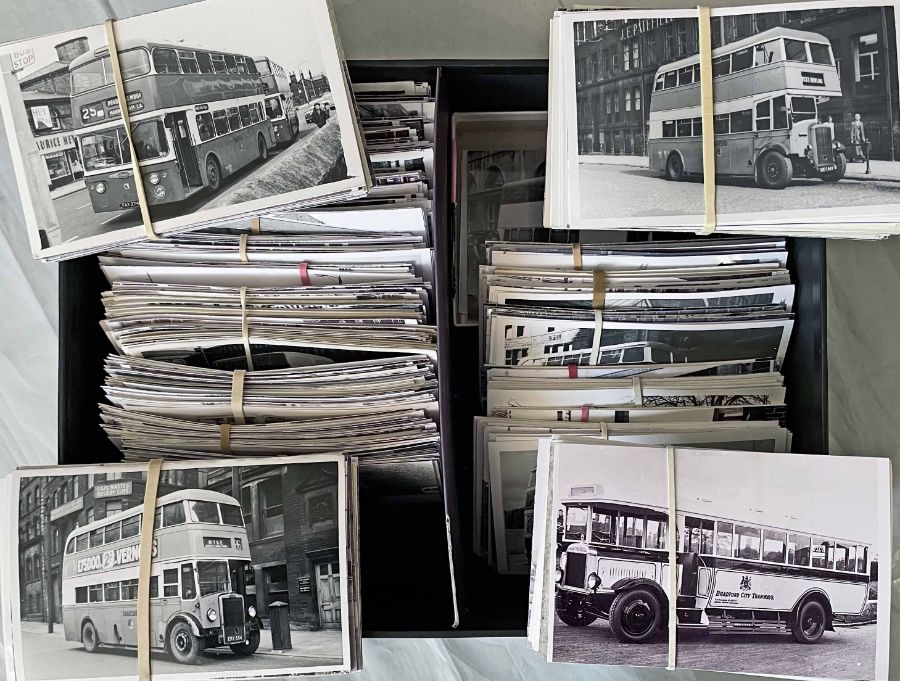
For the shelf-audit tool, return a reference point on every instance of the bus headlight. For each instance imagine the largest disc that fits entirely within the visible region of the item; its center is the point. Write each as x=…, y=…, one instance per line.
x=562, y=560
x=153, y=178
x=593, y=581
x=100, y=187
x=559, y=575
x=212, y=615
x=251, y=611
x=159, y=191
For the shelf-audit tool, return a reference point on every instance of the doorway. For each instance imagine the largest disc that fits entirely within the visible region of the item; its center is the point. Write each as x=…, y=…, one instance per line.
x=328, y=593
x=184, y=150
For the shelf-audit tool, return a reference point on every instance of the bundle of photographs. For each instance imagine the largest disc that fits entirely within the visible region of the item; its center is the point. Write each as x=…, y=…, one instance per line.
x=227, y=120
x=253, y=569
x=764, y=555
x=670, y=342
x=804, y=126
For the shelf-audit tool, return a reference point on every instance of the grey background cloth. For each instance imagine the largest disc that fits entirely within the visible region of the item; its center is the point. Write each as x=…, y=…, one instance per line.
x=863, y=314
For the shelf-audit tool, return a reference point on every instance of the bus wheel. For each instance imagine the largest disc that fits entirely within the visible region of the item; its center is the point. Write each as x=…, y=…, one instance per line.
x=674, y=168
x=213, y=174
x=774, y=170
x=249, y=646
x=635, y=616
x=809, y=623
x=263, y=148
x=574, y=617
x=89, y=637
x=184, y=646
x=838, y=172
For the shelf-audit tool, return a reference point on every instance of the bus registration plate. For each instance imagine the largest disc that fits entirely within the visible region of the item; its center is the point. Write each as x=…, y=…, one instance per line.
x=235, y=638
x=128, y=204
x=827, y=169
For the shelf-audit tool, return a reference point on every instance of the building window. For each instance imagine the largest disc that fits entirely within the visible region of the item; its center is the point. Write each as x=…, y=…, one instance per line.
x=276, y=582
x=321, y=508
x=57, y=540
x=670, y=49
x=270, y=503
x=637, y=99
x=626, y=55
x=651, y=48
x=868, y=60
x=683, y=46
x=627, y=100
x=596, y=66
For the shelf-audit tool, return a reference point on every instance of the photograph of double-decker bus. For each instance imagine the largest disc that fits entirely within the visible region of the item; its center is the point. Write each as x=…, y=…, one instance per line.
x=805, y=101
x=214, y=108
x=765, y=559
x=245, y=570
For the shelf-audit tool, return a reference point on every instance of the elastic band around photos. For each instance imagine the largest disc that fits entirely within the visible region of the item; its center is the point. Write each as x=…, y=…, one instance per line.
x=237, y=395
x=638, y=390
x=598, y=332
x=225, y=437
x=255, y=225
x=245, y=329
x=145, y=558
x=706, y=113
x=303, y=269
x=242, y=248
x=598, y=299
x=126, y=122
x=573, y=370
x=585, y=413
x=577, y=262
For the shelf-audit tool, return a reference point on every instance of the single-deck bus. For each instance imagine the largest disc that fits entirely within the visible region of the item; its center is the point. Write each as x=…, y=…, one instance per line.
x=280, y=108
x=766, y=90
x=734, y=575
x=200, y=555
x=197, y=117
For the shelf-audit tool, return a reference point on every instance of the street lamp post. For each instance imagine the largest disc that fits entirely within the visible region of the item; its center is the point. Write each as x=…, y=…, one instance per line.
x=45, y=556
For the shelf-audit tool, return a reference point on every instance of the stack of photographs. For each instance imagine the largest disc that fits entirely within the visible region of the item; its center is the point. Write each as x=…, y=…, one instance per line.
x=498, y=191
x=804, y=123
x=254, y=569
x=228, y=119
x=672, y=342
x=766, y=560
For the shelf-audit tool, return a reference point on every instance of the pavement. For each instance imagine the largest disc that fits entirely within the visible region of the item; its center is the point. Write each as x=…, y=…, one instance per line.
x=846, y=653
x=45, y=654
x=67, y=189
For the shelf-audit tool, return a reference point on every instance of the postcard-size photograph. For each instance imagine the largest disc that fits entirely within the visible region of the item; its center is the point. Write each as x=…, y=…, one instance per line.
x=248, y=576
x=805, y=115
x=231, y=113
x=784, y=560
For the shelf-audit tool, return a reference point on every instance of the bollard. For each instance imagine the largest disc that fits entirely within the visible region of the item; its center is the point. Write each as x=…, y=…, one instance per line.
x=280, y=625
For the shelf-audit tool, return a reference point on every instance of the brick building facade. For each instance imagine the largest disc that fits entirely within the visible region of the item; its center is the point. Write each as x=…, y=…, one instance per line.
x=615, y=64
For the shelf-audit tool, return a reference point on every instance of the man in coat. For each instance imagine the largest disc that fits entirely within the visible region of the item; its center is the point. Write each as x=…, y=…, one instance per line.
x=858, y=137
x=319, y=117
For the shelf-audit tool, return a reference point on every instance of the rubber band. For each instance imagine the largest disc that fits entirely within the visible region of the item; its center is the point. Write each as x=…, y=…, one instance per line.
x=304, y=274
x=237, y=395
x=245, y=329
x=672, y=538
x=573, y=370
x=585, y=413
x=242, y=248
x=598, y=299
x=638, y=390
x=255, y=225
x=122, y=100
x=576, y=256
x=145, y=558
x=707, y=126
x=225, y=437
x=598, y=332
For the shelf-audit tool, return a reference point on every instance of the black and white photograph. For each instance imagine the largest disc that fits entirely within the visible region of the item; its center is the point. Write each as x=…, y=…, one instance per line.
x=806, y=117
x=231, y=111
x=248, y=574
x=774, y=577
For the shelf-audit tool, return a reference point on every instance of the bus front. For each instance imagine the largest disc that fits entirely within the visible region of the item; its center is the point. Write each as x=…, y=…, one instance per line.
x=157, y=136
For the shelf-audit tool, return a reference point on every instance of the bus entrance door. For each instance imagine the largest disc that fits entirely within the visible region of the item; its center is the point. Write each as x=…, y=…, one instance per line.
x=187, y=157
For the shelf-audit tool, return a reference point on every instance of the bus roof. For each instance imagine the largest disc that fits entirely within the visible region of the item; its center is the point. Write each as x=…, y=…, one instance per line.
x=191, y=494
x=772, y=33
x=129, y=44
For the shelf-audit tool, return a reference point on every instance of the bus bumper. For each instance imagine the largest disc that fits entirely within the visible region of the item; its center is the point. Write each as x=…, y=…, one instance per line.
x=117, y=191
x=597, y=604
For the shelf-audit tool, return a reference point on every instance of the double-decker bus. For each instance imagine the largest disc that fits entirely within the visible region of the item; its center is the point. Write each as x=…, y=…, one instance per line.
x=199, y=557
x=766, y=90
x=734, y=575
x=197, y=117
x=280, y=108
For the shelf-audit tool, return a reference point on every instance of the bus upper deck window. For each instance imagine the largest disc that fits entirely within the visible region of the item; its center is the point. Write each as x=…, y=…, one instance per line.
x=165, y=60
x=230, y=63
x=70, y=546
x=686, y=75
x=795, y=50
x=188, y=62
x=231, y=515
x=134, y=62
x=721, y=66
x=634, y=355
x=671, y=80
x=765, y=53
x=251, y=66
x=660, y=82
x=218, y=62
x=741, y=60
x=803, y=108
x=112, y=533
x=173, y=514
x=81, y=542
x=821, y=54
x=97, y=537
x=204, y=62
x=204, y=512
x=131, y=527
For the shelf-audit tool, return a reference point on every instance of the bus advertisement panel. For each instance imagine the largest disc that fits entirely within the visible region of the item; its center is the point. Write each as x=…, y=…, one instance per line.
x=226, y=536
x=762, y=548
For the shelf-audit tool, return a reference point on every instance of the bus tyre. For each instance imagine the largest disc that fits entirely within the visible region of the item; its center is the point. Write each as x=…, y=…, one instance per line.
x=674, y=168
x=809, y=623
x=183, y=645
x=213, y=174
x=249, y=646
x=574, y=617
x=635, y=616
x=838, y=172
x=263, y=148
x=774, y=170
x=89, y=637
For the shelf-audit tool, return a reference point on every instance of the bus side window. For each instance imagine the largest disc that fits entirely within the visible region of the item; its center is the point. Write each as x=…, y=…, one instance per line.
x=188, y=61
x=81, y=595
x=129, y=589
x=111, y=592
x=154, y=587
x=862, y=559
x=170, y=582
x=741, y=60
x=721, y=66
x=746, y=542
x=70, y=546
x=656, y=533
x=602, y=528
x=795, y=50
x=131, y=527
x=165, y=60
x=234, y=118
x=205, y=126
x=764, y=115
x=798, y=549
x=188, y=586
x=204, y=62
x=81, y=542
x=220, y=121
x=254, y=114
x=218, y=63
x=244, y=110
x=95, y=593
x=671, y=79
x=773, y=546
x=173, y=514
x=779, y=113
x=820, y=553
x=112, y=533
x=97, y=537
x=840, y=557
x=720, y=124
x=230, y=64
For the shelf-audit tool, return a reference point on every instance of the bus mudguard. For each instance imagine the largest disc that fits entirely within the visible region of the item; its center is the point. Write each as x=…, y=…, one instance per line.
x=190, y=619
x=777, y=146
x=823, y=598
x=632, y=582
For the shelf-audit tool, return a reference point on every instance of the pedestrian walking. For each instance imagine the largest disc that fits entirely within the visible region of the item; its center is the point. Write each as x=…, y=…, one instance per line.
x=829, y=123
x=858, y=139
x=319, y=117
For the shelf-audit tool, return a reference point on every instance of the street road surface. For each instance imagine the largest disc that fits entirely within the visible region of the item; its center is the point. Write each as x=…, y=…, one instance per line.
x=620, y=191
x=846, y=653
